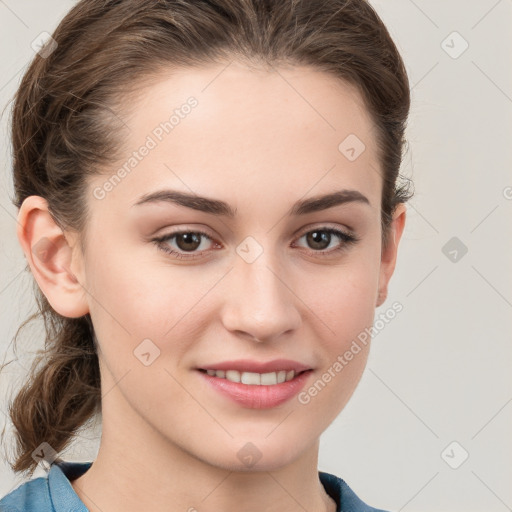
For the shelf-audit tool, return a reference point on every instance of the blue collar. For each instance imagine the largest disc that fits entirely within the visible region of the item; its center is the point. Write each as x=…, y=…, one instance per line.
x=65, y=499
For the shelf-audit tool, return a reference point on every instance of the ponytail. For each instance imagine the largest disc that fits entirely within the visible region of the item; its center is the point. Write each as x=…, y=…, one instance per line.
x=63, y=389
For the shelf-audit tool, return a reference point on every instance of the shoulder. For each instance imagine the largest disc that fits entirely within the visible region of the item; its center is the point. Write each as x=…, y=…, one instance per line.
x=30, y=496
x=345, y=497
x=49, y=493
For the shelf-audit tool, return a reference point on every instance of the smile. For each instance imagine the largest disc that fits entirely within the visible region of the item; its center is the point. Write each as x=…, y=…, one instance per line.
x=252, y=378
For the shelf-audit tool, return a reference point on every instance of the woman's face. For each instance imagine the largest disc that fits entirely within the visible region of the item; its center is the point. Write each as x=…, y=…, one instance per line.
x=265, y=283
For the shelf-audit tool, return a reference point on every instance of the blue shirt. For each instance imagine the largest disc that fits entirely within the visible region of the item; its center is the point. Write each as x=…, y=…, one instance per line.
x=54, y=493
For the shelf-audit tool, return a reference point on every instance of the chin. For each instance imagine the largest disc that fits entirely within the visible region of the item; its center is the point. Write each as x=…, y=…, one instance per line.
x=257, y=455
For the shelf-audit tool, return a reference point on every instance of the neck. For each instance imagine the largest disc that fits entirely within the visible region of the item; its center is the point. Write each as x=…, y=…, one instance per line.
x=171, y=479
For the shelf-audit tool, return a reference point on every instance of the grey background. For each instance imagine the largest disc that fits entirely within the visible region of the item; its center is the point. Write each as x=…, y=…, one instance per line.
x=440, y=371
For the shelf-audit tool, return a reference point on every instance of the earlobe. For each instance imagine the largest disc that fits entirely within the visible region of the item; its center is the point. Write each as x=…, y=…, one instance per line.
x=389, y=253
x=55, y=264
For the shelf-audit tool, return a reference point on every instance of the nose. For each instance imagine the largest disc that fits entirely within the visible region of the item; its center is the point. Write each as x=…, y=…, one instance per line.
x=260, y=302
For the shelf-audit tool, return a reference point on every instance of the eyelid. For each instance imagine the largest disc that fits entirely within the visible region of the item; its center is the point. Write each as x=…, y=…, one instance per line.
x=326, y=225
x=186, y=228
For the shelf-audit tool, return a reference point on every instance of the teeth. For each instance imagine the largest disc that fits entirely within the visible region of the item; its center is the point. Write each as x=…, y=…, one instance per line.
x=254, y=379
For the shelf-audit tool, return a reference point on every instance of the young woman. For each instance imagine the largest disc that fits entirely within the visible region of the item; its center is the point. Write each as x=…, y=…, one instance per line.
x=209, y=202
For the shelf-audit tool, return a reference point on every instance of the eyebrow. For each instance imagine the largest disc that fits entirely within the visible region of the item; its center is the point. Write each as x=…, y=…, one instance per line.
x=221, y=208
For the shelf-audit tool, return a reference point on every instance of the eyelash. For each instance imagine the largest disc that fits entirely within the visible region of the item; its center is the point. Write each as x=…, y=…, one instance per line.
x=348, y=240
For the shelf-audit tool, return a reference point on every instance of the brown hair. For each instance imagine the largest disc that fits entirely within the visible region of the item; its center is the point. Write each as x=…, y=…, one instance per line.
x=62, y=132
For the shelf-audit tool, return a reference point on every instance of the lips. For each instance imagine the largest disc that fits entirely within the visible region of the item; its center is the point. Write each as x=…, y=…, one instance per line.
x=247, y=365
x=254, y=396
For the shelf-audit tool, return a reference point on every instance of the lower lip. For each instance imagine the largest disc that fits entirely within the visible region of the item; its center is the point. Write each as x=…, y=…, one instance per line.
x=258, y=397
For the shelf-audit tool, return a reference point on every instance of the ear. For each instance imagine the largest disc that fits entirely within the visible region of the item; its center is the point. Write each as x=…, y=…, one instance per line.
x=389, y=253
x=51, y=258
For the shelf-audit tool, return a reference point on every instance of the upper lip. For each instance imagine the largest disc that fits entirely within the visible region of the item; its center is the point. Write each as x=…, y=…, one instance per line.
x=246, y=365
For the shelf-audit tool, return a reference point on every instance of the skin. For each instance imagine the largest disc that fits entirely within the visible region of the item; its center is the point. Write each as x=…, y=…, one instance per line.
x=169, y=442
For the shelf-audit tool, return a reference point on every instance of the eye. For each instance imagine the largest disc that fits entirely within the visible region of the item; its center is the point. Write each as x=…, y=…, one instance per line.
x=321, y=238
x=190, y=241
x=186, y=241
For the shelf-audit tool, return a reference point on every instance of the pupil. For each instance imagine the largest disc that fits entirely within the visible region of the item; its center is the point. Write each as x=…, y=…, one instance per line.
x=189, y=238
x=319, y=237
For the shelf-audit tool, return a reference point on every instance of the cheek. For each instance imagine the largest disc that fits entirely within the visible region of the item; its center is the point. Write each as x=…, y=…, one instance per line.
x=343, y=310
x=343, y=299
x=138, y=311
x=136, y=297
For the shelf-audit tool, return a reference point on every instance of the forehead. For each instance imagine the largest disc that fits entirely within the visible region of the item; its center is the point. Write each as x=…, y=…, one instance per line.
x=241, y=133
